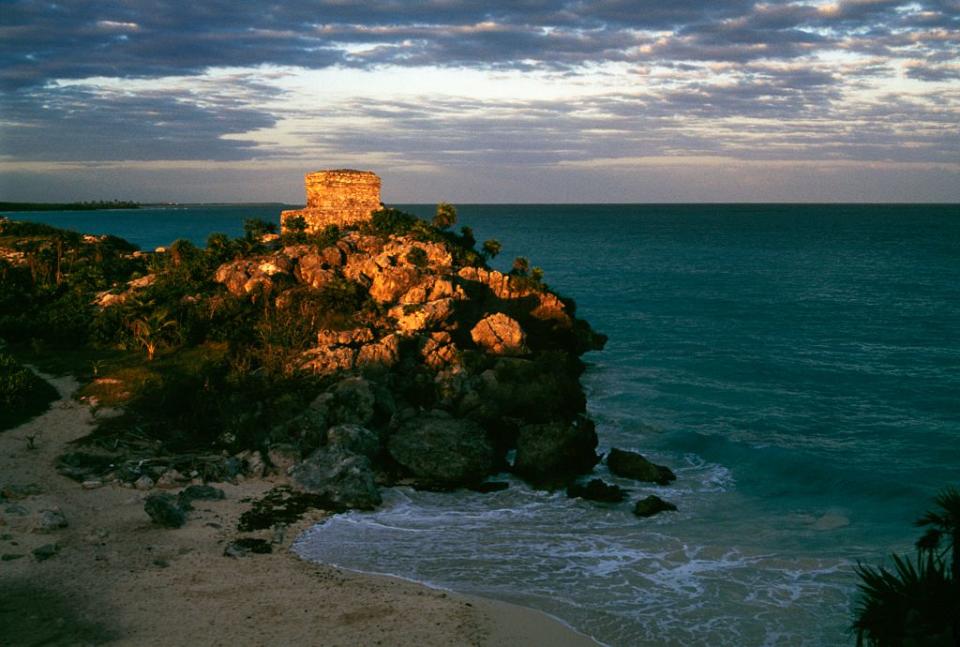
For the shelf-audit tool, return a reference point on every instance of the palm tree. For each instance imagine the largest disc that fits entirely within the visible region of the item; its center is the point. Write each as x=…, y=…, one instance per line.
x=943, y=527
x=916, y=603
x=151, y=330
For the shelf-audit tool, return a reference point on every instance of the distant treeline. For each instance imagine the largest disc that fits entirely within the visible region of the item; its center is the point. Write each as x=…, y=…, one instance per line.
x=68, y=206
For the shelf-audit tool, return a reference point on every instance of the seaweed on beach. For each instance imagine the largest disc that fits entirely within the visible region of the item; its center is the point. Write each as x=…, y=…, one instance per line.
x=282, y=505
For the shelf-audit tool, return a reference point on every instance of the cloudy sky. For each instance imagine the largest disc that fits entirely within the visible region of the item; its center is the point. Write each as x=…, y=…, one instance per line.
x=509, y=101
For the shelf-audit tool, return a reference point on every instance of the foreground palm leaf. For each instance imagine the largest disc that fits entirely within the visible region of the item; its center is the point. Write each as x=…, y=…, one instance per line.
x=917, y=602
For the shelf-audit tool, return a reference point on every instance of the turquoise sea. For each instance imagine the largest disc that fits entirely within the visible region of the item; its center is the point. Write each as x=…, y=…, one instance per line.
x=798, y=366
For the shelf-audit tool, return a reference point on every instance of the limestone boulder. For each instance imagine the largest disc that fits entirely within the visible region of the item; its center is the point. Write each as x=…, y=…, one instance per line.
x=346, y=479
x=384, y=352
x=314, y=270
x=352, y=337
x=440, y=449
x=417, y=318
x=325, y=360
x=499, y=334
x=244, y=276
x=388, y=284
x=555, y=453
x=439, y=351
x=633, y=465
x=432, y=289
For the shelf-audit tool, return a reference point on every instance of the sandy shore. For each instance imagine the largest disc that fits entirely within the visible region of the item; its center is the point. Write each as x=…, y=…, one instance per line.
x=118, y=579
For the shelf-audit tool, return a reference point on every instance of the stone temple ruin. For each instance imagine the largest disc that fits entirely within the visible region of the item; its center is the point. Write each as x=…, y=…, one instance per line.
x=337, y=197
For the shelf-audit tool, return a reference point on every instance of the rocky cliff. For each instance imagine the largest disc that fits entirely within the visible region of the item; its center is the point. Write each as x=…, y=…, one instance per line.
x=384, y=351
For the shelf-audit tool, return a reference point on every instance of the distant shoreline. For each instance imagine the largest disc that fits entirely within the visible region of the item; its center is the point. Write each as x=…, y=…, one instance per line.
x=97, y=205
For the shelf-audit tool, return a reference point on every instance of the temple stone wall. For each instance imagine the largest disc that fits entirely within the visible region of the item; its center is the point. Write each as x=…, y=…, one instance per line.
x=340, y=197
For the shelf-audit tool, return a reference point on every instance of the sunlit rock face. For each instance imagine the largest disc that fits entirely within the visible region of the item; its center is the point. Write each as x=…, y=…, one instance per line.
x=339, y=197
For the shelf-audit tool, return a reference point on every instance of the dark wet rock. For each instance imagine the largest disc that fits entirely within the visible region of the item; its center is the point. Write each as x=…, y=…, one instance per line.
x=246, y=545
x=164, y=510
x=45, y=552
x=355, y=439
x=553, y=453
x=49, y=521
x=342, y=477
x=193, y=493
x=436, y=447
x=597, y=490
x=633, y=465
x=652, y=505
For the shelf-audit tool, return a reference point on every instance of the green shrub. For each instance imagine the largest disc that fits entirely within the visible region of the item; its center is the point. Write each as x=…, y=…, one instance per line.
x=329, y=235
x=417, y=257
x=294, y=230
x=389, y=221
x=255, y=228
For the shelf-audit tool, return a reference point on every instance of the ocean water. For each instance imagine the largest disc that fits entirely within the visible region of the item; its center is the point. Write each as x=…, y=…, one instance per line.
x=798, y=366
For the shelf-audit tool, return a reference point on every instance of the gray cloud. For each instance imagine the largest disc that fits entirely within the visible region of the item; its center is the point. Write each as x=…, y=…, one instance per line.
x=749, y=80
x=74, y=124
x=136, y=38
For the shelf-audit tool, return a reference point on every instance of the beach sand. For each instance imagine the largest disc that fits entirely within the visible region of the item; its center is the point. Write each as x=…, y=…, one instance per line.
x=116, y=578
